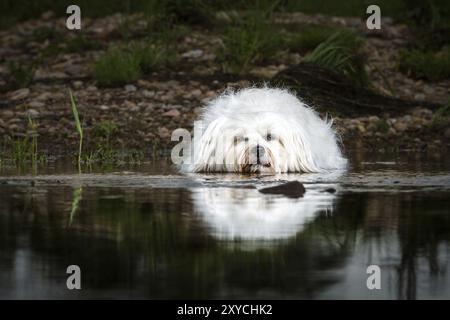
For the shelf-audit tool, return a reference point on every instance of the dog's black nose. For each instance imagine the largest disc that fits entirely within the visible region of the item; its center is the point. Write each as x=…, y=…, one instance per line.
x=259, y=152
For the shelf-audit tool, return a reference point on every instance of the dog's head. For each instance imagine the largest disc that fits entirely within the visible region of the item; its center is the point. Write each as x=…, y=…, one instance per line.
x=264, y=131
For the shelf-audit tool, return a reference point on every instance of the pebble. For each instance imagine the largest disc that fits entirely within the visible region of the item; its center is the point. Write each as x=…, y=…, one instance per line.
x=400, y=126
x=78, y=84
x=8, y=114
x=374, y=119
x=32, y=113
x=36, y=104
x=291, y=189
x=407, y=118
x=131, y=105
x=148, y=94
x=43, y=96
x=447, y=133
x=164, y=133
x=13, y=127
x=197, y=93
x=172, y=113
x=130, y=88
x=419, y=97
x=193, y=54
x=19, y=94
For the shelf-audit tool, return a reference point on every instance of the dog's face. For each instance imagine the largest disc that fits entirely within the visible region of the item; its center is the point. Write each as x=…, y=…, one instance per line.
x=255, y=143
x=259, y=145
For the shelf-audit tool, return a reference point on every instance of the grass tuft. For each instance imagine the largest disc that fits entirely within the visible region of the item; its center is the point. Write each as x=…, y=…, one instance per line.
x=308, y=38
x=116, y=67
x=119, y=66
x=103, y=134
x=425, y=65
x=153, y=56
x=248, y=41
x=441, y=118
x=20, y=74
x=24, y=149
x=341, y=53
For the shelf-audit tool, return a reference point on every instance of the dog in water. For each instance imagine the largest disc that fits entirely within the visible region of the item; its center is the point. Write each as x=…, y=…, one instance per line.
x=263, y=130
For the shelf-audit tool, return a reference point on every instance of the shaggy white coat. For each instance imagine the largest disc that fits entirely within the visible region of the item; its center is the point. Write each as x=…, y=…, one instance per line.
x=263, y=130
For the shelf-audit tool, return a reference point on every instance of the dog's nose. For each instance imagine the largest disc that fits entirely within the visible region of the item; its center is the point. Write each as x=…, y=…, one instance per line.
x=259, y=152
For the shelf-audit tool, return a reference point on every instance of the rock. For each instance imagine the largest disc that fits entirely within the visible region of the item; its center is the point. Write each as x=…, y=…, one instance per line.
x=143, y=83
x=210, y=94
x=167, y=97
x=164, y=133
x=419, y=97
x=197, y=93
x=13, y=127
x=400, y=126
x=131, y=105
x=43, y=96
x=391, y=121
x=422, y=113
x=172, y=113
x=447, y=133
x=45, y=74
x=130, y=88
x=361, y=128
x=8, y=114
x=75, y=70
x=374, y=119
x=148, y=94
x=32, y=113
x=407, y=118
x=193, y=54
x=429, y=91
x=291, y=189
x=104, y=107
x=330, y=190
x=36, y=104
x=78, y=84
x=19, y=94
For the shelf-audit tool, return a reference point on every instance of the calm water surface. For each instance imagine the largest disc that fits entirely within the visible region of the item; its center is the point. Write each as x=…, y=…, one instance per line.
x=149, y=232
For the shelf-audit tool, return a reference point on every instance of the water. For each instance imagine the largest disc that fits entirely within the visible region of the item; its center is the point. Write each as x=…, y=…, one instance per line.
x=152, y=233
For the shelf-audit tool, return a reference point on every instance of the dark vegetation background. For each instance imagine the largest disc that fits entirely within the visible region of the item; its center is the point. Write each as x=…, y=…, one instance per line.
x=139, y=69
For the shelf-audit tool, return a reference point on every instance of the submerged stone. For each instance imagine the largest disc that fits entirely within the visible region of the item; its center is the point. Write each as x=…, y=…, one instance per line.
x=292, y=189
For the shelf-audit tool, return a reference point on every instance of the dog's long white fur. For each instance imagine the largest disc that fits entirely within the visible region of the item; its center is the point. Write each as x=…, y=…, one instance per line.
x=236, y=121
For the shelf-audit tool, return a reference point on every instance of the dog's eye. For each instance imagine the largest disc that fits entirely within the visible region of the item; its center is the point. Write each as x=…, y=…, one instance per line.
x=268, y=137
x=239, y=139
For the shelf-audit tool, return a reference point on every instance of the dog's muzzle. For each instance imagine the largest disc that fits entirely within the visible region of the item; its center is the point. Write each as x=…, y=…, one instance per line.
x=260, y=156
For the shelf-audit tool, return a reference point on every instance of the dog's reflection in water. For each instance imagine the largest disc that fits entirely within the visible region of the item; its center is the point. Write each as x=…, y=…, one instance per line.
x=246, y=214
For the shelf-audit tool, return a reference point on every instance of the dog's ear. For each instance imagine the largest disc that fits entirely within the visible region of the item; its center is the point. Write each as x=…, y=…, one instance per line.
x=209, y=147
x=300, y=153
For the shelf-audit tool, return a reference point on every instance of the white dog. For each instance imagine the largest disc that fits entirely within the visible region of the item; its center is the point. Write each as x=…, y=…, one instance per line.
x=263, y=130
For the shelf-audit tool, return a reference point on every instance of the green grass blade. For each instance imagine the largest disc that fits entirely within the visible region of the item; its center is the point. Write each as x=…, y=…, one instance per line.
x=79, y=128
